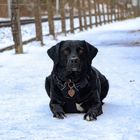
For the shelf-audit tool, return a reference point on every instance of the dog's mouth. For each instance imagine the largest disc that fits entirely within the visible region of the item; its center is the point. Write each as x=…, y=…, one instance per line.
x=73, y=65
x=74, y=68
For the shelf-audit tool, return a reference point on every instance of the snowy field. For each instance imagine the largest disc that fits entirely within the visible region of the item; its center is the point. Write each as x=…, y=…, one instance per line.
x=24, y=110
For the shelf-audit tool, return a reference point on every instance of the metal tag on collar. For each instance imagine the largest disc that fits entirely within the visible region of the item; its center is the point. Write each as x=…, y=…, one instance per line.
x=71, y=91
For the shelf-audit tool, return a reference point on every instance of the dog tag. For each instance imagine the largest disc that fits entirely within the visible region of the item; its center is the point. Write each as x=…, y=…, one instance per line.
x=71, y=92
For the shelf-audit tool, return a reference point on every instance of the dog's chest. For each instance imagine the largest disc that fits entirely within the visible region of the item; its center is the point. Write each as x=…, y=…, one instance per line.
x=74, y=103
x=79, y=107
x=73, y=107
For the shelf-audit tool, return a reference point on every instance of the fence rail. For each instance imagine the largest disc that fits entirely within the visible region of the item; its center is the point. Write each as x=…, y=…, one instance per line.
x=88, y=12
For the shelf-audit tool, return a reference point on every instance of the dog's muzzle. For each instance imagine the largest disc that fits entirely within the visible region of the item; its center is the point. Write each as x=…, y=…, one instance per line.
x=74, y=64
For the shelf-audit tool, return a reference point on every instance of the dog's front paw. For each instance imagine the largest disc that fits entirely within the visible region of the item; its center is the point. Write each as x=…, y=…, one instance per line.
x=57, y=111
x=59, y=115
x=90, y=116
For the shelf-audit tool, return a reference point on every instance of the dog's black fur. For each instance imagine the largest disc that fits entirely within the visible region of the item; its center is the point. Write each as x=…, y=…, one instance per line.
x=72, y=70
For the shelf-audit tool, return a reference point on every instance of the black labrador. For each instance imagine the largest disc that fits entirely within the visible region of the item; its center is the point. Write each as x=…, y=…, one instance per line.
x=74, y=85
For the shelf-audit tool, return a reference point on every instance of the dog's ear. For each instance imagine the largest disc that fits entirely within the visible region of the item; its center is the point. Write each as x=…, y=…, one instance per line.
x=53, y=52
x=92, y=51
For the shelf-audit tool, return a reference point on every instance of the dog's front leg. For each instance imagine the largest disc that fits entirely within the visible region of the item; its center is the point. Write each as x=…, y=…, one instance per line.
x=95, y=109
x=57, y=110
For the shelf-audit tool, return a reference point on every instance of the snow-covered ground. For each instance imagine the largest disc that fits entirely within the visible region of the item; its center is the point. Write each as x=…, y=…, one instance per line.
x=24, y=110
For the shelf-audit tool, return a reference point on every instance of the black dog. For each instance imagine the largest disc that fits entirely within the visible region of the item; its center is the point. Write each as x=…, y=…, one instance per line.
x=74, y=85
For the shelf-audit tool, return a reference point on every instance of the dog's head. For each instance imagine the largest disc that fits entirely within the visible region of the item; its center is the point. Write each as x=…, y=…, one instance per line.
x=73, y=55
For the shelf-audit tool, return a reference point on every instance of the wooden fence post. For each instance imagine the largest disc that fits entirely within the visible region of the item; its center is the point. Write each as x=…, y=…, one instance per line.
x=134, y=10
x=138, y=7
x=126, y=10
x=103, y=12
x=108, y=12
x=114, y=8
x=50, y=18
x=99, y=13
x=123, y=12
x=71, y=5
x=95, y=13
x=16, y=28
x=118, y=12
x=111, y=10
x=62, y=12
x=38, y=22
x=80, y=14
x=84, y=14
x=90, y=15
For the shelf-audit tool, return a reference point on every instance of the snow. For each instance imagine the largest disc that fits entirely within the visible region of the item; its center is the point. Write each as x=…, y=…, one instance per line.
x=24, y=104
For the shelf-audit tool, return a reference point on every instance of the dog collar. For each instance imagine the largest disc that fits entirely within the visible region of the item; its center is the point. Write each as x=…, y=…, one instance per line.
x=62, y=85
x=72, y=86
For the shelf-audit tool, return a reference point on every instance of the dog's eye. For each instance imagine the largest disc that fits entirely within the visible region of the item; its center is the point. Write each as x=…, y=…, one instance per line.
x=81, y=50
x=66, y=51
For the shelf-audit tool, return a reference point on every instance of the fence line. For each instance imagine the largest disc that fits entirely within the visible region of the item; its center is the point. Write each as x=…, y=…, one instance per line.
x=89, y=13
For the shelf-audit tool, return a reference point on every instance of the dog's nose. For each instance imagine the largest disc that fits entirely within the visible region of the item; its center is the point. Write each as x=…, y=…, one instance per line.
x=74, y=60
